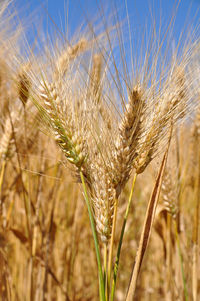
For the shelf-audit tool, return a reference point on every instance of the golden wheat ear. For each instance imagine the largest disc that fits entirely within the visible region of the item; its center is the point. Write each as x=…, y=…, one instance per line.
x=5, y=139
x=168, y=193
x=64, y=133
x=67, y=57
x=24, y=83
x=130, y=130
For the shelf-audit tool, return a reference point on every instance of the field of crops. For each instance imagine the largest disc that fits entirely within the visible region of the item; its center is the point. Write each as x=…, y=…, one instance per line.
x=99, y=164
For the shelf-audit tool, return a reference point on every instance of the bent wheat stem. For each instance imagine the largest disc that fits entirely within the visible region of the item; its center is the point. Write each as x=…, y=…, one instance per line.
x=146, y=228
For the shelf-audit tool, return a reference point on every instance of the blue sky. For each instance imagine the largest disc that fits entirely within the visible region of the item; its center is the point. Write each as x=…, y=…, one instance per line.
x=140, y=12
x=53, y=17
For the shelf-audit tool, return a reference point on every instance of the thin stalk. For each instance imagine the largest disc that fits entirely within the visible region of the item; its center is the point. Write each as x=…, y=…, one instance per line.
x=96, y=243
x=146, y=231
x=195, y=252
x=181, y=262
x=2, y=173
x=105, y=265
x=9, y=211
x=111, y=248
x=195, y=249
x=179, y=180
x=194, y=271
x=168, y=258
x=121, y=239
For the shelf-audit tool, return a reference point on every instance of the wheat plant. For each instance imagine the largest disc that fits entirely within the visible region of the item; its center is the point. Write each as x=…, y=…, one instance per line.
x=108, y=125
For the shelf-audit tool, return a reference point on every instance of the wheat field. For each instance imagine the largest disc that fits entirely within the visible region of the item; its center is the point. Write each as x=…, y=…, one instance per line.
x=99, y=164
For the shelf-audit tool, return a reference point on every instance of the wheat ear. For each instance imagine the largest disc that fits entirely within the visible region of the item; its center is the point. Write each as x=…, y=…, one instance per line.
x=130, y=130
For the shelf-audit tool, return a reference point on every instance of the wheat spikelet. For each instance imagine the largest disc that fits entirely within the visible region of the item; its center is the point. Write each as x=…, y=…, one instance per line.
x=65, y=133
x=68, y=56
x=170, y=108
x=4, y=92
x=23, y=84
x=6, y=138
x=103, y=198
x=172, y=102
x=126, y=145
x=169, y=196
x=149, y=142
x=95, y=78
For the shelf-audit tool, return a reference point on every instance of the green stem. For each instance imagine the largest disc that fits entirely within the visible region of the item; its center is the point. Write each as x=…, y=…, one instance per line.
x=121, y=239
x=101, y=279
x=105, y=265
